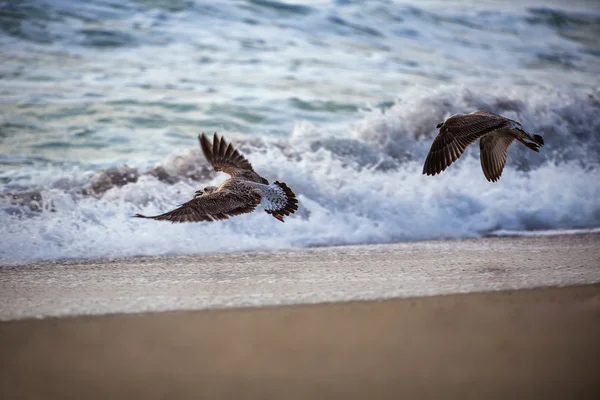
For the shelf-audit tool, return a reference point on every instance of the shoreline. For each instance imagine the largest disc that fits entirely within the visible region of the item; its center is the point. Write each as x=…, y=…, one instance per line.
x=500, y=234
x=478, y=318
x=533, y=343
x=306, y=276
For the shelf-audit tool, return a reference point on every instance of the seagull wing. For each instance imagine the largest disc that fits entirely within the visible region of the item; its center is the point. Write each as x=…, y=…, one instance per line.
x=456, y=134
x=221, y=204
x=224, y=157
x=493, y=150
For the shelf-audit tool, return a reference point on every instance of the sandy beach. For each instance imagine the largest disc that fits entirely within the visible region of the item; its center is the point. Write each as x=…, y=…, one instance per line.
x=435, y=163
x=329, y=274
x=394, y=321
x=530, y=344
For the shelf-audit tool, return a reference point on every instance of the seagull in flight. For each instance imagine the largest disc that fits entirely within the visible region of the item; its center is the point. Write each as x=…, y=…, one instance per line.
x=496, y=133
x=240, y=194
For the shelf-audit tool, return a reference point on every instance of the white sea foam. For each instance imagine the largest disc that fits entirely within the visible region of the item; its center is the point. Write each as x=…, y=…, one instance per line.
x=111, y=82
x=545, y=232
x=346, y=194
x=338, y=205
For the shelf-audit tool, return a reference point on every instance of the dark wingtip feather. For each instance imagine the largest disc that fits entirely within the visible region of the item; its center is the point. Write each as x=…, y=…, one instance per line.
x=538, y=139
x=223, y=155
x=492, y=178
x=219, y=145
x=205, y=146
x=425, y=170
x=433, y=165
x=533, y=146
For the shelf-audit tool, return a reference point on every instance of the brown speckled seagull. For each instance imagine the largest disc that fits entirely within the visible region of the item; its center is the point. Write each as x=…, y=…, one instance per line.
x=240, y=194
x=496, y=133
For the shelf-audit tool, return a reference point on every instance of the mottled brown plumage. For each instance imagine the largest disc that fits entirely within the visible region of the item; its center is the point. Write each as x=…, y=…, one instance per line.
x=496, y=133
x=226, y=158
x=240, y=194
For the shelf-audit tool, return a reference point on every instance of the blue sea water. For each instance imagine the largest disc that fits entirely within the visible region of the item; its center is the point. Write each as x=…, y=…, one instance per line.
x=101, y=103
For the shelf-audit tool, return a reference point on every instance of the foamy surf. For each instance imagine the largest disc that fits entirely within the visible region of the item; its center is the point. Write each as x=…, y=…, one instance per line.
x=102, y=104
x=546, y=232
x=365, y=188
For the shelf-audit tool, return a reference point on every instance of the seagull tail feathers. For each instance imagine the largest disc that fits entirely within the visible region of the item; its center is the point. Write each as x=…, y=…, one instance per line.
x=282, y=201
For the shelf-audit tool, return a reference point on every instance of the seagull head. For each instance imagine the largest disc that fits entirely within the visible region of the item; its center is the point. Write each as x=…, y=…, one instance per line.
x=206, y=190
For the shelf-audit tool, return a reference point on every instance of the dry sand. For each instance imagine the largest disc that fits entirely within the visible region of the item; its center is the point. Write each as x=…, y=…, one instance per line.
x=529, y=344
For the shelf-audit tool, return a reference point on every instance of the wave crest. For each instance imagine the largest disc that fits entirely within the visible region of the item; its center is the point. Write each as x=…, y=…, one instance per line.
x=366, y=187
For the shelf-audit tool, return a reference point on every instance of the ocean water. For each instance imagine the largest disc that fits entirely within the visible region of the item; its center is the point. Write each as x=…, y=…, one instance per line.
x=101, y=103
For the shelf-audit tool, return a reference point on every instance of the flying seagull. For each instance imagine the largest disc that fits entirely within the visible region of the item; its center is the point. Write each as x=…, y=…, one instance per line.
x=495, y=132
x=240, y=194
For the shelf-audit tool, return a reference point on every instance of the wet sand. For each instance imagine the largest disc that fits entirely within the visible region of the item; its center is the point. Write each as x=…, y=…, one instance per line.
x=528, y=344
x=294, y=277
x=489, y=343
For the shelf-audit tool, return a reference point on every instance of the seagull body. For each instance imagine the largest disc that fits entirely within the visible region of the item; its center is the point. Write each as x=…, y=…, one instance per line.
x=496, y=133
x=240, y=194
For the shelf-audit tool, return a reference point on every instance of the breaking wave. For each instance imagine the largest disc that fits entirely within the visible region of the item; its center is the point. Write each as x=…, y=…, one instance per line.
x=363, y=187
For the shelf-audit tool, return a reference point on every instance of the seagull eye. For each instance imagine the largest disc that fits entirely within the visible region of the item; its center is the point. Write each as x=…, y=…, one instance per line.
x=439, y=125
